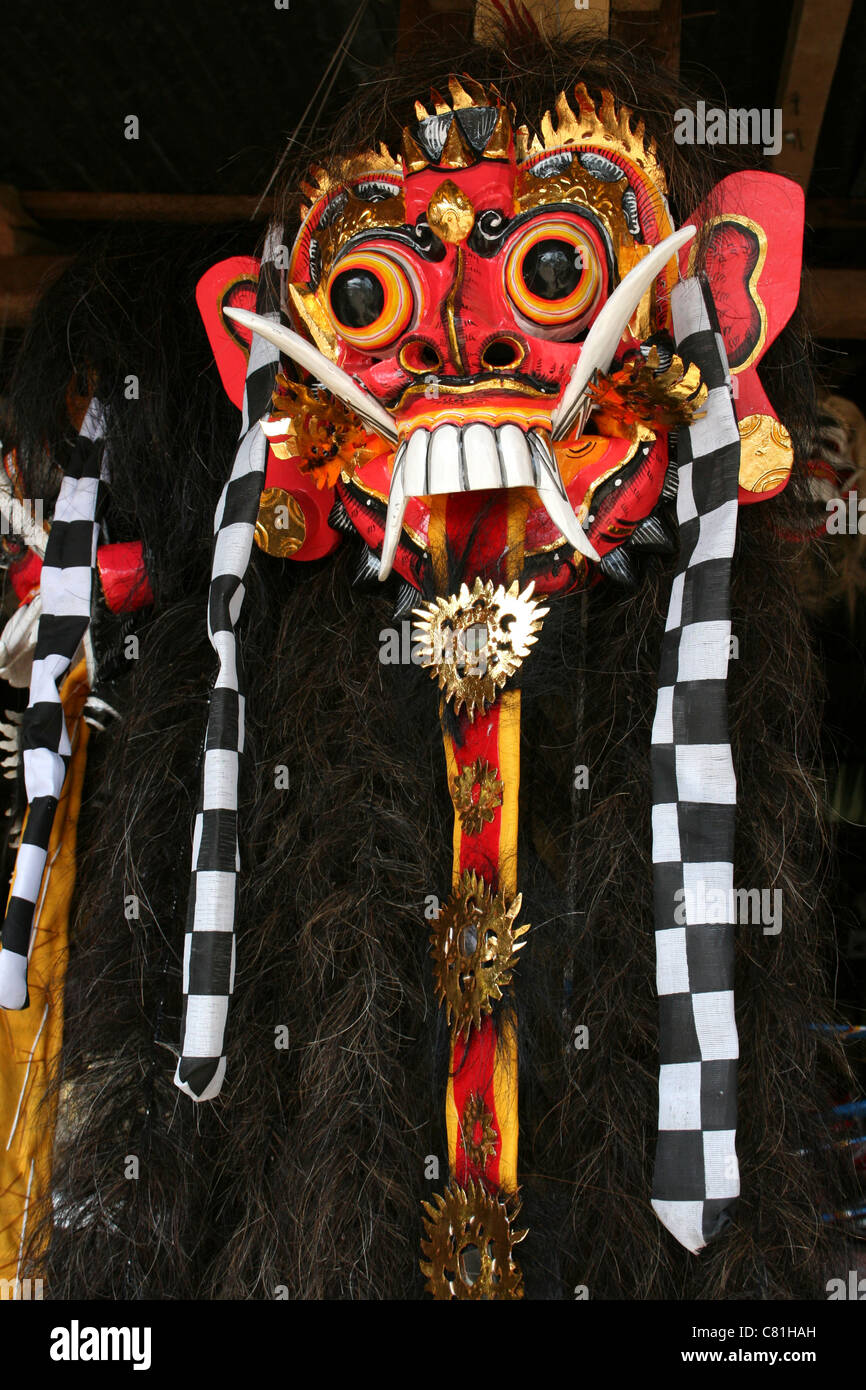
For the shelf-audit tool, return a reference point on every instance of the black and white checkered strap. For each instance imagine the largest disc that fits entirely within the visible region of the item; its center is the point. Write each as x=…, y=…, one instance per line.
x=66, y=589
x=696, y=1177
x=209, y=946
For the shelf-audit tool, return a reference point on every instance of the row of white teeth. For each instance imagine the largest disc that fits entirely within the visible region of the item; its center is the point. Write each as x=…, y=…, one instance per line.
x=477, y=458
x=470, y=458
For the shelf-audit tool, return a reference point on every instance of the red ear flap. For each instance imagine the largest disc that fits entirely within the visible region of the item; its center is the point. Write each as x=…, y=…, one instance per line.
x=753, y=260
x=229, y=284
x=754, y=227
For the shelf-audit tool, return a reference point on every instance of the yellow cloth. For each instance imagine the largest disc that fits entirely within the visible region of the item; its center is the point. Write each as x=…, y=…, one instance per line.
x=30, y=1040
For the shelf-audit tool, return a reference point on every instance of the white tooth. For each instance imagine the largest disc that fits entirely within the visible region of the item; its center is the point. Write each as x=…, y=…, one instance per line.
x=394, y=519
x=415, y=466
x=604, y=336
x=545, y=468
x=559, y=510
x=444, y=460
x=538, y=455
x=482, y=458
x=552, y=493
x=514, y=456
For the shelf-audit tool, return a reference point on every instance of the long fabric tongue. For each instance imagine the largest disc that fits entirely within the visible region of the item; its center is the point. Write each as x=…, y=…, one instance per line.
x=483, y=1066
x=477, y=534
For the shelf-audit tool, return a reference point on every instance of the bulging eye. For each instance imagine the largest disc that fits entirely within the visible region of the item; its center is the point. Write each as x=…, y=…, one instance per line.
x=371, y=299
x=550, y=270
x=554, y=274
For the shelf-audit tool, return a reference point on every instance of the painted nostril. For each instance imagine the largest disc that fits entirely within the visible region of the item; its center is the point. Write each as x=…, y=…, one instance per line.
x=503, y=352
x=419, y=357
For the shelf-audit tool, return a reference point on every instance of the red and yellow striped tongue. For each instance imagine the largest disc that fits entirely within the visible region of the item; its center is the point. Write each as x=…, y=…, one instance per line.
x=482, y=756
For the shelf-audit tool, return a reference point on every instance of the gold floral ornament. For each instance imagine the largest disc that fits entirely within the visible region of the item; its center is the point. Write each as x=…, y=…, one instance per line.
x=324, y=434
x=644, y=393
x=477, y=639
x=475, y=945
x=478, y=1131
x=477, y=795
x=469, y=1243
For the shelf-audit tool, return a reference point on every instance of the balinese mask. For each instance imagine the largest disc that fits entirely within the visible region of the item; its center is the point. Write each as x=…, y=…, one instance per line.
x=506, y=336
x=514, y=372
x=479, y=288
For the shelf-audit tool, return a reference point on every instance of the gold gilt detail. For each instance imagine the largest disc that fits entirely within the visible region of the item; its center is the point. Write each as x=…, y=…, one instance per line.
x=280, y=526
x=354, y=217
x=605, y=127
x=469, y=1244
x=328, y=181
x=475, y=945
x=457, y=153
x=477, y=639
x=477, y=811
x=345, y=216
x=478, y=1131
x=450, y=213
x=766, y=453
x=468, y=93
x=310, y=306
x=576, y=185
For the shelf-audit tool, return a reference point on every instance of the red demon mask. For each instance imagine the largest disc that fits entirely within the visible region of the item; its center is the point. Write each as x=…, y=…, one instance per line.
x=493, y=308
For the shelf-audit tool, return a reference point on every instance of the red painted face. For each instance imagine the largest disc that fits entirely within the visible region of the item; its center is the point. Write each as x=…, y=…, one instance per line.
x=501, y=312
x=500, y=303
x=461, y=297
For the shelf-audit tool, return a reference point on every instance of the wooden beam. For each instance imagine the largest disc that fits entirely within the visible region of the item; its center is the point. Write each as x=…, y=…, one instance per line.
x=144, y=207
x=204, y=209
x=814, y=42
x=423, y=23
x=651, y=24
x=836, y=303
x=555, y=19
x=19, y=234
x=22, y=280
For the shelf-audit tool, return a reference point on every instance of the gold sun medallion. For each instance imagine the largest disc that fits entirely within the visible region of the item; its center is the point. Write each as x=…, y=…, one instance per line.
x=469, y=1243
x=475, y=640
x=766, y=453
x=475, y=945
x=280, y=526
x=478, y=1131
x=477, y=793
